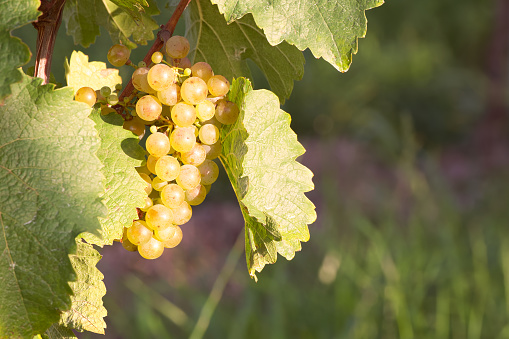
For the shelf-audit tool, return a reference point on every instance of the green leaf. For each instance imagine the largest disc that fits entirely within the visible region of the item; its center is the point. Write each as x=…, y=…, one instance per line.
x=329, y=28
x=79, y=72
x=124, y=188
x=83, y=19
x=132, y=7
x=259, y=153
x=227, y=47
x=14, y=53
x=59, y=332
x=50, y=183
x=87, y=310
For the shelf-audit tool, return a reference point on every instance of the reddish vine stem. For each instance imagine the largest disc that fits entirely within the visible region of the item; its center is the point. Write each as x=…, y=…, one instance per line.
x=47, y=28
x=162, y=36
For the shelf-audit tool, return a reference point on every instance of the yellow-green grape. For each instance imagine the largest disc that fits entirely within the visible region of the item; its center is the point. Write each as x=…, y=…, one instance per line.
x=175, y=240
x=227, y=112
x=194, y=90
x=202, y=70
x=107, y=110
x=140, y=82
x=189, y=177
x=170, y=96
x=142, y=64
x=196, y=131
x=187, y=72
x=112, y=99
x=128, y=245
x=161, y=77
x=218, y=85
x=196, y=195
x=182, y=213
x=183, y=115
x=172, y=195
x=195, y=156
x=105, y=91
x=183, y=139
x=153, y=129
x=167, y=168
x=147, y=179
x=159, y=217
x=177, y=47
x=151, y=163
x=209, y=134
x=205, y=110
x=86, y=95
x=157, y=57
x=118, y=55
x=209, y=172
x=207, y=188
x=158, y=144
x=148, y=108
x=153, y=249
x=148, y=203
x=213, y=151
x=135, y=126
x=158, y=183
x=139, y=233
x=165, y=234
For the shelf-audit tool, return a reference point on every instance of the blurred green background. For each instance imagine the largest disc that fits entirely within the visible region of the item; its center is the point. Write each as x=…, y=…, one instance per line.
x=410, y=152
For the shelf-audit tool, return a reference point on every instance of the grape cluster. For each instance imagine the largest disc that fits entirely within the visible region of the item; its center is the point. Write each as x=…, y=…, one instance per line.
x=185, y=106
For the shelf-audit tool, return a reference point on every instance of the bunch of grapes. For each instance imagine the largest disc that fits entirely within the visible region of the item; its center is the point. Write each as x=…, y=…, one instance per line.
x=185, y=107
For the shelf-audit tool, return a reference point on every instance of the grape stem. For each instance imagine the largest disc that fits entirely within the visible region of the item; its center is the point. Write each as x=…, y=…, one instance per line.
x=47, y=27
x=162, y=36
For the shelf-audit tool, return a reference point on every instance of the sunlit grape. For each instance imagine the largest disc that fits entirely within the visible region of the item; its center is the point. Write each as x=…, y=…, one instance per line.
x=183, y=139
x=147, y=179
x=159, y=217
x=151, y=163
x=175, y=240
x=177, y=47
x=209, y=134
x=167, y=168
x=218, y=85
x=182, y=213
x=158, y=144
x=195, y=156
x=86, y=95
x=202, y=70
x=209, y=172
x=170, y=96
x=158, y=183
x=165, y=234
x=118, y=55
x=161, y=76
x=196, y=195
x=157, y=57
x=194, y=90
x=189, y=177
x=127, y=244
x=139, y=233
x=148, y=203
x=152, y=249
x=172, y=195
x=183, y=115
x=148, y=108
x=205, y=110
x=140, y=82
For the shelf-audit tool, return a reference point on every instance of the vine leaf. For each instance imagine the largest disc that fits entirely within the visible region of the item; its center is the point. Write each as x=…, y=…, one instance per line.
x=57, y=331
x=83, y=19
x=79, y=72
x=15, y=53
x=329, y=28
x=227, y=47
x=50, y=186
x=124, y=188
x=87, y=310
x=133, y=7
x=259, y=153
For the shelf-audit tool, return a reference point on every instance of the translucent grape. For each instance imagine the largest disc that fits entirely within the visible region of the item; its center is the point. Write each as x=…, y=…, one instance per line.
x=202, y=70
x=205, y=110
x=151, y=163
x=158, y=183
x=167, y=168
x=189, y=177
x=213, y=121
x=177, y=47
x=194, y=90
x=140, y=82
x=196, y=195
x=184, y=63
x=159, y=217
x=195, y=156
x=183, y=139
x=213, y=151
x=209, y=172
x=105, y=91
x=139, y=233
x=170, y=96
x=147, y=179
x=148, y=108
x=209, y=134
x=135, y=126
x=175, y=240
x=148, y=203
x=107, y=110
x=172, y=195
x=227, y=112
x=182, y=213
x=153, y=249
x=161, y=77
x=165, y=234
x=128, y=245
x=183, y=115
x=86, y=95
x=118, y=55
x=218, y=85
x=207, y=188
x=158, y=144
x=157, y=57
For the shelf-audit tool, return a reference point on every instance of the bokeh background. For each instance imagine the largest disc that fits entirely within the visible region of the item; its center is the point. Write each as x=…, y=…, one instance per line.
x=410, y=152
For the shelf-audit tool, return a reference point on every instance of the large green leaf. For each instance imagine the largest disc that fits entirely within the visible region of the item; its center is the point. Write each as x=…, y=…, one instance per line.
x=133, y=7
x=227, y=47
x=259, y=153
x=124, y=188
x=329, y=28
x=87, y=310
x=50, y=186
x=13, y=52
x=58, y=332
x=83, y=19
